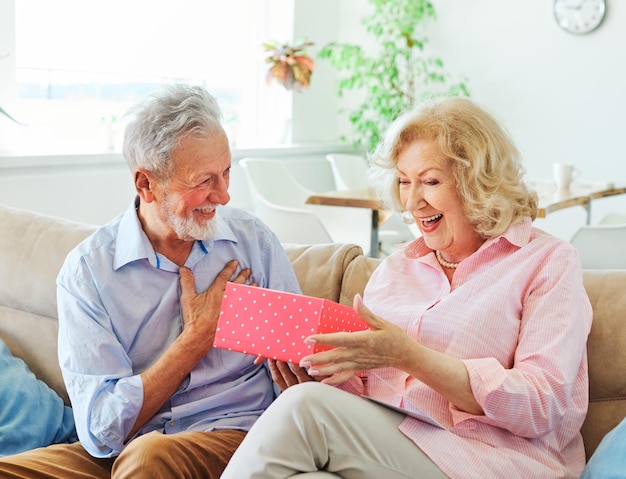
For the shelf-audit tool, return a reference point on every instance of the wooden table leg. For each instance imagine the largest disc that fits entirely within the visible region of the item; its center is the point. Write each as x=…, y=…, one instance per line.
x=374, y=235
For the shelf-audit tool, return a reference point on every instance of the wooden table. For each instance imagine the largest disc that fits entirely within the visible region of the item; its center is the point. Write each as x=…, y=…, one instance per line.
x=551, y=199
x=355, y=198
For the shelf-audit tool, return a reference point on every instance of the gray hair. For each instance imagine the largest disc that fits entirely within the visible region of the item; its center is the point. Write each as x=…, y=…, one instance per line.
x=157, y=124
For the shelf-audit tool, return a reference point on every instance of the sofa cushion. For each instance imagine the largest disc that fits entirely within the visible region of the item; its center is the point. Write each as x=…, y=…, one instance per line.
x=38, y=350
x=320, y=267
x=35, y=246
x=32, y=415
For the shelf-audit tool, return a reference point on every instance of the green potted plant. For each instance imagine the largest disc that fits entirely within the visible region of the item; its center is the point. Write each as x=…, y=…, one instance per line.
x=396, y=75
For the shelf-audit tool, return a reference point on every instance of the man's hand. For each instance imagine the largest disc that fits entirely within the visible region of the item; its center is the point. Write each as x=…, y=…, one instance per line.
x=200, y=315
x=201, y=311
x=286, y=375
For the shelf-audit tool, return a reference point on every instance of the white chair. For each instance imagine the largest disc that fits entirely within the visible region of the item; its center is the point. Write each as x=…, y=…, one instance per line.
x=350, y=171
x=613, y=218
x=601, y=247
x=280, y=202
x=291, y=225
x=238, y=189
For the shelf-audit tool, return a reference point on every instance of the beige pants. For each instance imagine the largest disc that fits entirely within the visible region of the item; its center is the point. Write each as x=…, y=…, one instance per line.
x=313, y=427
x=191, y=455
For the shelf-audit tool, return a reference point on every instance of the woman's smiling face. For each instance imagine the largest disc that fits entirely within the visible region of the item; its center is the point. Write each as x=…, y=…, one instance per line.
x=428, y=191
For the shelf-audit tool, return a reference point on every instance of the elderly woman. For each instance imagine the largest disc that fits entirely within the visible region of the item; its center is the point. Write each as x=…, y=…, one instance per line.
x=475, y=359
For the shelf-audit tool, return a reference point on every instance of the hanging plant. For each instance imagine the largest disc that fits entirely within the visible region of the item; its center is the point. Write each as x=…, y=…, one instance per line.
x=289, y=65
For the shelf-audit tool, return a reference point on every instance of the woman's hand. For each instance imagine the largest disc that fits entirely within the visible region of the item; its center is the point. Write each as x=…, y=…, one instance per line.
x=383, y=345
x=387, y=345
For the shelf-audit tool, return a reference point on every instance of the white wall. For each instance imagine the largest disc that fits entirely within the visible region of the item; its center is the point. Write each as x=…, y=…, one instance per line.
x=315, y=116
x=8, y=86
x=93, y=188
x=87, y=188
x=561, y=96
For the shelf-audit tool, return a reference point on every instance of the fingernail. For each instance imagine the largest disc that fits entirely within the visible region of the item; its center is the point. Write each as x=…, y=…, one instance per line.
x=305, y=364
x=310, y=340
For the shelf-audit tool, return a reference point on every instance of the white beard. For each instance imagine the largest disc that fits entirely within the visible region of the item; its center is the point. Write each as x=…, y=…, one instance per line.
x=187, y=228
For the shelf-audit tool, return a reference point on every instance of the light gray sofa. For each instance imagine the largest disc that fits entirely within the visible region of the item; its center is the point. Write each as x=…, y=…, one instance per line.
x=33, y=247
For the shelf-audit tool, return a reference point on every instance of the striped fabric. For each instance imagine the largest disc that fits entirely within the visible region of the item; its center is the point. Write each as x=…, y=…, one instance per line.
x=518, y=316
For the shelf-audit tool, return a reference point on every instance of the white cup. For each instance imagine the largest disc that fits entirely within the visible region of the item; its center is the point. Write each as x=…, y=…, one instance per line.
x=564, y=174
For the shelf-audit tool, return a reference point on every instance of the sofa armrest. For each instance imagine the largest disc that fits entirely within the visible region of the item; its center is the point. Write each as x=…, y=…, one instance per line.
x=320, y=268
x=606, y=350
x=356, y=277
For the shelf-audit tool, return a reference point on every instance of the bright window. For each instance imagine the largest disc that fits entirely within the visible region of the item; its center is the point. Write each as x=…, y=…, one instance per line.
x=81, y=64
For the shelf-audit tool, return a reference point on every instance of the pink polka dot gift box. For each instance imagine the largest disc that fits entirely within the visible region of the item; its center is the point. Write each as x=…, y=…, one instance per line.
x=274, y=324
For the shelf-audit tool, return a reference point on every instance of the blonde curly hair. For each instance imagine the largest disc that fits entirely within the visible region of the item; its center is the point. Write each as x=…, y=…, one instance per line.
x=486, y=164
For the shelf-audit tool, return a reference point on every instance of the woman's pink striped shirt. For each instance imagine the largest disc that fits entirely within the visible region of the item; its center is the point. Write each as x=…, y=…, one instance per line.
x=518, y=316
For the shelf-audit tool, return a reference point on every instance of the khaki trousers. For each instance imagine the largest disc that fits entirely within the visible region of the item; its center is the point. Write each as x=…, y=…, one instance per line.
x=313, y=427
x=192, y=455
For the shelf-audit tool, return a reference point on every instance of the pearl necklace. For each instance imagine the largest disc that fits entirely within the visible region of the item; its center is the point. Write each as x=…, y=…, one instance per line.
x=445, y=263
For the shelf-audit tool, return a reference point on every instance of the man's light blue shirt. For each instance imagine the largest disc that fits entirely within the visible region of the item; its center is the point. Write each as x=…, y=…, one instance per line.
x=119, y=310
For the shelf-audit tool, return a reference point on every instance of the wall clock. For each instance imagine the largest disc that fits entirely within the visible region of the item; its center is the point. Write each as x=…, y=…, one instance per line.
x=579, y=16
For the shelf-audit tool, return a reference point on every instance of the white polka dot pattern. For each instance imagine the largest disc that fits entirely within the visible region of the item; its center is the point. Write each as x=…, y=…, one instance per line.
x=274, y=324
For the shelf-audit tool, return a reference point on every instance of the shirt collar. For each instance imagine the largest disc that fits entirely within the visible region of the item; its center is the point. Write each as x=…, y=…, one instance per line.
x=223, y=232
x=133, y=244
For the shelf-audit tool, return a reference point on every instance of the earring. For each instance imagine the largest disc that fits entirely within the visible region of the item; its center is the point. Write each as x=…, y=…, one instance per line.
x=407, y=218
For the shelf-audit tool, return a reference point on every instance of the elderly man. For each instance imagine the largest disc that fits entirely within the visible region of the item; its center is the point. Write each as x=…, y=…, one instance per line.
x=139, y=302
